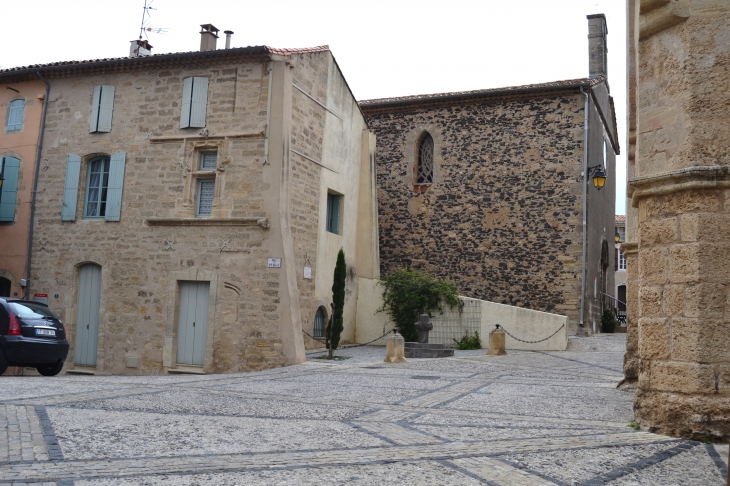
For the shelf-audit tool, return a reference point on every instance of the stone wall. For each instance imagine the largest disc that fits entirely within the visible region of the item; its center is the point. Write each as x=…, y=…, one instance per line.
x=503, y=218
x=679, y=190
x=141, y=264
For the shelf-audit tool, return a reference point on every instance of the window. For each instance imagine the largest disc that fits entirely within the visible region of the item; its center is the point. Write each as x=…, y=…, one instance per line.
x=194, y=103
x=318, y=328
x=15, y=115
x=103, y=191
x=208, y=160
x=621, y=261
x=206, y=194
x=205, y=189
x=97, y=185
x=10, y=169
x=102, y=106
x=424, y=169
x=333, y=213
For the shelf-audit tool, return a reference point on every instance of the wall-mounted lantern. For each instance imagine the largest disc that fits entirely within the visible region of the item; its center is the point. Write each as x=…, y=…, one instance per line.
x=599, y=177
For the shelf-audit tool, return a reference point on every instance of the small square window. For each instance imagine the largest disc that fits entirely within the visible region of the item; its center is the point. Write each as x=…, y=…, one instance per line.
x=206, y=193
x=208, y=160
x=334, y=203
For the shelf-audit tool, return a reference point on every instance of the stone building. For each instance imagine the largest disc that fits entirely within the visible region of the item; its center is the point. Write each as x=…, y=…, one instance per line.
x=492, y=189
x=678, y=243
x=21, y=111
x=191, y=205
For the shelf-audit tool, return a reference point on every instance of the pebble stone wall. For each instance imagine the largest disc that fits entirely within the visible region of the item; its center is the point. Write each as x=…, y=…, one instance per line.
x=503, y=217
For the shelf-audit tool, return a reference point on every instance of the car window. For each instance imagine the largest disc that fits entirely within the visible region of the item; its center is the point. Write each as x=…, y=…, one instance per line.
x=28, y=310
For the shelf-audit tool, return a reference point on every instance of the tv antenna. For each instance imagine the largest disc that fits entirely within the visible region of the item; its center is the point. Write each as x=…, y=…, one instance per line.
x=145, y=26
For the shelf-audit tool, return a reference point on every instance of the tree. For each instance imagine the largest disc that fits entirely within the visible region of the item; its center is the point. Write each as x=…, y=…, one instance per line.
x=409, y=293
x=335, y=325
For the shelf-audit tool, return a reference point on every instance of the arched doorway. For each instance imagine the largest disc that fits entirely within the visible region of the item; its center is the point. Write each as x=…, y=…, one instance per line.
x=4, y=287
x=319, y=322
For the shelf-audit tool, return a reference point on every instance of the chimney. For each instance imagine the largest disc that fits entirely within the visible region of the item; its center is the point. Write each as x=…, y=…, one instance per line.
x=208, y=37
x=139, y=48
x=228, y=38
x=597, y=46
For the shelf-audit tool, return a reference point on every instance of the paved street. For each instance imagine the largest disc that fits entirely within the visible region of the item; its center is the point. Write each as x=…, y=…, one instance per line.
x=528, y=418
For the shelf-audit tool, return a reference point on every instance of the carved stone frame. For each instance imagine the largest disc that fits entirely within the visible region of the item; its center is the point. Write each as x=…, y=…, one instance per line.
x=412, y=145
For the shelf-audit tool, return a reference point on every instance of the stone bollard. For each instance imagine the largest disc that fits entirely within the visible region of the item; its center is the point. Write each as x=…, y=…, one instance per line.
x=394, y=348
x=496, y=342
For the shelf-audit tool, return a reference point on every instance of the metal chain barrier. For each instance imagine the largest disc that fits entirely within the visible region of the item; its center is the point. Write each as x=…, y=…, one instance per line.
x=499, y=326
x=344, y=347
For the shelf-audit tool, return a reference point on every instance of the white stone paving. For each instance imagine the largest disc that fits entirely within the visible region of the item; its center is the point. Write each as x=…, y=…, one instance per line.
x=523, y=419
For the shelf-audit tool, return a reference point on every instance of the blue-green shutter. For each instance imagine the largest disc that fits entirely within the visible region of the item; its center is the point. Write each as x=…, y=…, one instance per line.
x=199, y=105
x=9, y=189
x=114, y=189
x=186, y=101
x=106, y=107
x=15, y=117
x=71, y=189
x=94, y=118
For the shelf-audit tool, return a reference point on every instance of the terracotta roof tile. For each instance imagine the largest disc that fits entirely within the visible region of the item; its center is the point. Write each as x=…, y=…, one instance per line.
x=483, y=92
x=74, y=66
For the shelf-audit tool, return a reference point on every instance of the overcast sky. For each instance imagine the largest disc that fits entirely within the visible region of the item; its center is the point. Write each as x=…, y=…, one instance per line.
x=384, y=47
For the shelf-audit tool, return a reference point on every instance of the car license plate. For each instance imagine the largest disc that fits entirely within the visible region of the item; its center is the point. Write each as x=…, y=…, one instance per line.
x=45, y=332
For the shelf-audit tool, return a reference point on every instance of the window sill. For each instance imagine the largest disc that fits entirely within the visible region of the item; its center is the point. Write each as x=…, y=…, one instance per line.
x=262, y=222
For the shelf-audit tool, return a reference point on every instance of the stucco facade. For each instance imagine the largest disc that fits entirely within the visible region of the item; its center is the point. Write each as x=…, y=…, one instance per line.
x=19, y=144
x=285, y=131
x=679, y=183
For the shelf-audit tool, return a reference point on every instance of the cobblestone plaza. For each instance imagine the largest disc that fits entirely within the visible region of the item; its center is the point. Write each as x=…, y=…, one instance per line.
x=528, y=418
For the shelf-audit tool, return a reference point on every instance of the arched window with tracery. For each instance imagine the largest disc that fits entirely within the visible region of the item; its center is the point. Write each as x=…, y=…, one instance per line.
x=424, y=168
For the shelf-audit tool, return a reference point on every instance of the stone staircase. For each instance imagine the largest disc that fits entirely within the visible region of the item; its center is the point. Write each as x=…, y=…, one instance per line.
x=426, y=350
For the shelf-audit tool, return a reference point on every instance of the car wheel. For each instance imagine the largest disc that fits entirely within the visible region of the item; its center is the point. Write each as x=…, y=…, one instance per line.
x=51, y=369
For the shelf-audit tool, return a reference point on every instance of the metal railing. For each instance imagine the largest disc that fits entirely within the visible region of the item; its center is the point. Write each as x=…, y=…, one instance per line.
x=451, y=325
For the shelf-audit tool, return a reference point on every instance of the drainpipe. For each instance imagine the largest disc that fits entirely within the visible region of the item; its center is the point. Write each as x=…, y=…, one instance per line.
x=585, y=208
x=35, y=186
x=268, y=113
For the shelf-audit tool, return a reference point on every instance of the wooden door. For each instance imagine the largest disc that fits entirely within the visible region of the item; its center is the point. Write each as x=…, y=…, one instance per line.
x=87, y=322
x=192, y=324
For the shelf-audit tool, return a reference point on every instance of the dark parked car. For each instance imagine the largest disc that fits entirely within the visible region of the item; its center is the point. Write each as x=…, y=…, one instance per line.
x=31, y=335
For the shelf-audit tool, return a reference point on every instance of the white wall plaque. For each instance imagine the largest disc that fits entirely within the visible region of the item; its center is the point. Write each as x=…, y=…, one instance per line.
x=308, y=272
x=274, y=263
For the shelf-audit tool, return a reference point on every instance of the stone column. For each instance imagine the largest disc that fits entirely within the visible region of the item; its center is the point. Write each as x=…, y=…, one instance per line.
x=681, y=188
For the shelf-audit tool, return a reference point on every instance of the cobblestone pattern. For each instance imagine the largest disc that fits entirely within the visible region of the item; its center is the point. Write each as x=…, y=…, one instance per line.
x=212, y=431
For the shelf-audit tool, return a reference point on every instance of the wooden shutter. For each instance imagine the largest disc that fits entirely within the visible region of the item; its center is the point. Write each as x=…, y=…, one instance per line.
x=114, y=189
x=106, y=106
x=199, y=102
x=9, y=193
x=15, y=117
x=94, y=117
x=186, y=102
x=71, y=189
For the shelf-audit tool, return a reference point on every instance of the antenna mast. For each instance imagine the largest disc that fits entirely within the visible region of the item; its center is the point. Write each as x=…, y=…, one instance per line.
x=145, y=16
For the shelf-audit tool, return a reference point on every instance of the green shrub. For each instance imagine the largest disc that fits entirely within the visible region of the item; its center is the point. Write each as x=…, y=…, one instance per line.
x=608, y=321
x=469, y=342
x=407, y=294
x=336, y=324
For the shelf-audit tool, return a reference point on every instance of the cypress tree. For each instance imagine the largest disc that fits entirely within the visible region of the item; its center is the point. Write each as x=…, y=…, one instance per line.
x=335, y=326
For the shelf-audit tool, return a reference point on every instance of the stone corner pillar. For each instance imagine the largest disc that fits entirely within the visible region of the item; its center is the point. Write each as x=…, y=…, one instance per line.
x=631, y=357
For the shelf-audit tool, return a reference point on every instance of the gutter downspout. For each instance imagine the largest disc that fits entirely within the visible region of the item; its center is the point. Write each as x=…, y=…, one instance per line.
x=268, y=113
x=35, y=185
x=585, y=208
